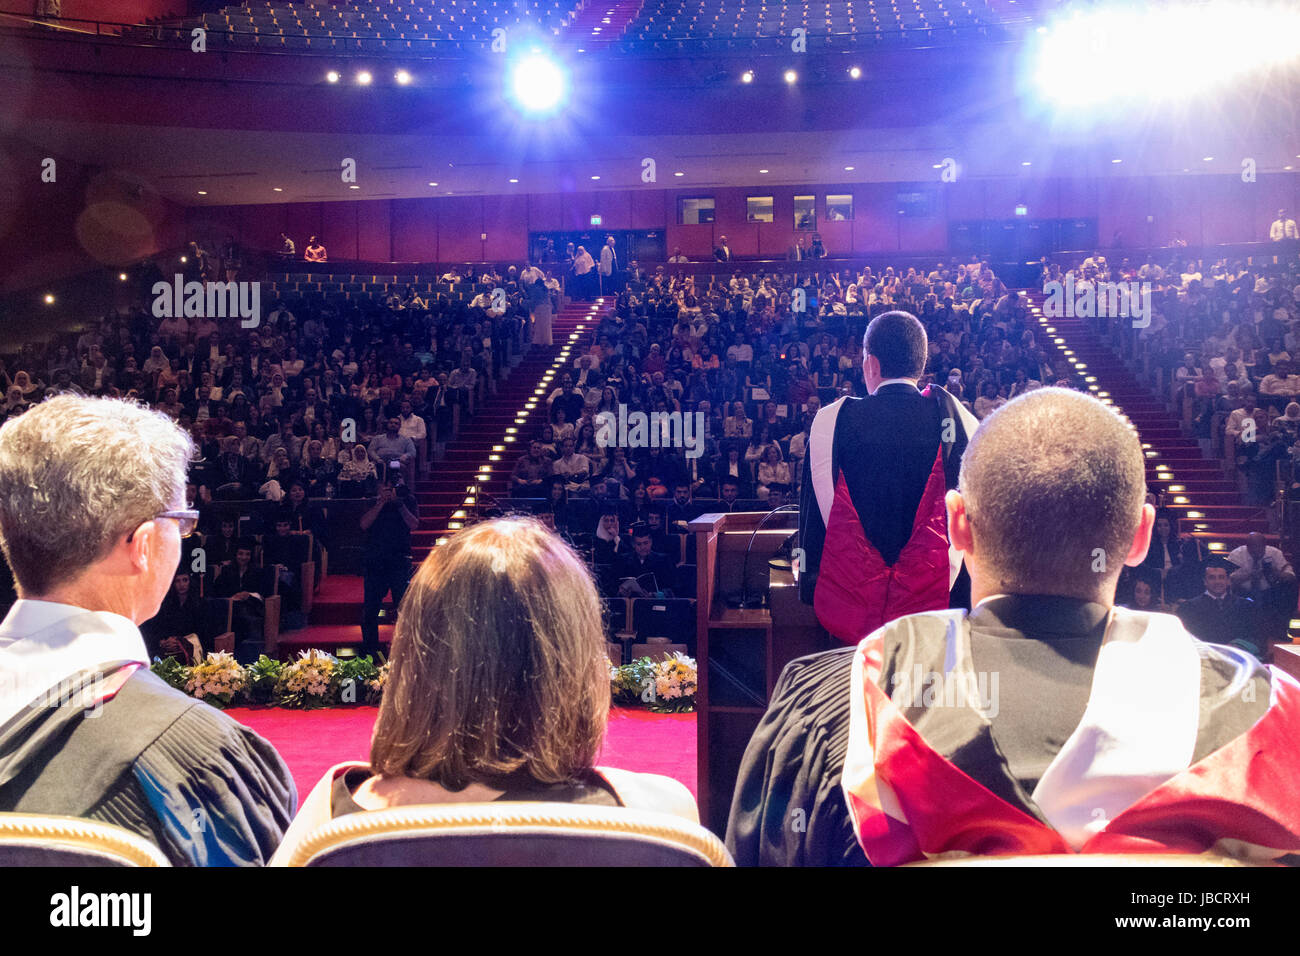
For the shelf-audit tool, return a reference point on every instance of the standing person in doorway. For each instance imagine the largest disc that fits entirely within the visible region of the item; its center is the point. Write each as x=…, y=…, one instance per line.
x=387, y=559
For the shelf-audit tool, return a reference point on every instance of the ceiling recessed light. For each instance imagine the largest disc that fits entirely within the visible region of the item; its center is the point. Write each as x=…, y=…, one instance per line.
x=937, y=166
x=402, y=77
x=122, y=276
x=679, y=174
x=1288, y=167
x=49, y=299
x=764, y=171
x=203, y=192
x=790, y=76
x=514, y=180
x=747, y=76
x=595, y=177
x=855, y=72
x=364, y=77
x=1117, y=160
x=354, y=187
x=332, y=76
x=848, y=169
x=1027, y=163
x=1207, y=159
x=276, y=189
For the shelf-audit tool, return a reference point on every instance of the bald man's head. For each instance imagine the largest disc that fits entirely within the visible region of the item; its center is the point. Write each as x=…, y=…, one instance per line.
x=1053, y=485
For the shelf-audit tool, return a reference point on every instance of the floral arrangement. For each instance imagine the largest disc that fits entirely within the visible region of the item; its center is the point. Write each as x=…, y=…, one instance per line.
x=310, y=681
x=375, y=685
x=315, y=679
x=218, y=678
x=666, y=687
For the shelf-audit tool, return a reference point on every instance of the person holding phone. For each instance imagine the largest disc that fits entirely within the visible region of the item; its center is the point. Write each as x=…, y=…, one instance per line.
x=386, y=562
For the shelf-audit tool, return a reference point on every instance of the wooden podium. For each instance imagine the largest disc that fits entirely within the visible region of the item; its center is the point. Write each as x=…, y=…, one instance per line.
x=740, y=651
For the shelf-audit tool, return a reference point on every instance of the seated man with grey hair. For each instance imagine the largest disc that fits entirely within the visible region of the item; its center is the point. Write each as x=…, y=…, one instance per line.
x=92, y=512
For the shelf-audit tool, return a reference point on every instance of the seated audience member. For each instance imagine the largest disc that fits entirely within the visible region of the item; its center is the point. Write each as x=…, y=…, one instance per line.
x=392, y=446
x=174, y=630
x=284, y=551
x=888, y=767
x=643, y=560
x=357, y=477
x=1146, y=592
x=92, y=529
x=531, y=472
x=248, y=585
x=1264, y=575
x=466, y=718
x=1218, y=616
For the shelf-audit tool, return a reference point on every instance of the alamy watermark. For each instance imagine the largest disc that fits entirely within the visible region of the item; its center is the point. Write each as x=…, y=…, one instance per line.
x=626, y=429
x=918, y=689
x=211, y=300
x=1089, y=300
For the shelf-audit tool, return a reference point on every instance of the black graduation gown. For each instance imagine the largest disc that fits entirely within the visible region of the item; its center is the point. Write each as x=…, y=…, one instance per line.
x=176, y=771
x=788, y=809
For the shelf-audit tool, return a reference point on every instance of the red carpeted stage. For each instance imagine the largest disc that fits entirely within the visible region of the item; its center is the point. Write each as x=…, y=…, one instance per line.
x=312, y=741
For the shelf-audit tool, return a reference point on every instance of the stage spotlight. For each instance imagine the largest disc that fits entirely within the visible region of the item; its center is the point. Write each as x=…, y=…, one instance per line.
x=538, y=84
x=1140, y=54
x=364, y=77
x=855, y=73
x=790, y=76
x=332, y=76
x=49, y=299
x=121, y=276
x=747, y=76
x=402, y=77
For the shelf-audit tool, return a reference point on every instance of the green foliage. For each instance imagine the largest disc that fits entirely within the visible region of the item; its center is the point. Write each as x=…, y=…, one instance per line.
x=171, y=671
x=263, y=676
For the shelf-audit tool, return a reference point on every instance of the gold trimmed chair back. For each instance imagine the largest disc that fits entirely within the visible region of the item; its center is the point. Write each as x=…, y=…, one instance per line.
x=32, y=839
x=510, y=834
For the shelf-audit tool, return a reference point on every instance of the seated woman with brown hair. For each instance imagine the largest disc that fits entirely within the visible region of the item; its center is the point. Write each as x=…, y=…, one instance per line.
x=499, y=689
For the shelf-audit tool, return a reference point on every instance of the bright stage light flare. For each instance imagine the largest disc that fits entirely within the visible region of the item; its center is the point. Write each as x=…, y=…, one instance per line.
x=1146, y=53
x=538, y=83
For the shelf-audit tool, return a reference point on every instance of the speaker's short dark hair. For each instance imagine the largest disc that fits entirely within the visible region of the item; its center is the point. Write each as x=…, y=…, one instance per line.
x=897, y=339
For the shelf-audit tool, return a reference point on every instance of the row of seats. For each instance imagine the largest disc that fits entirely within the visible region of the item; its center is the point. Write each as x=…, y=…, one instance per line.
x=446, y=21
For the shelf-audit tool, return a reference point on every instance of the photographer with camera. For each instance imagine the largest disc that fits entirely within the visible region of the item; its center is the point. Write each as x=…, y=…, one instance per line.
x=386, y=562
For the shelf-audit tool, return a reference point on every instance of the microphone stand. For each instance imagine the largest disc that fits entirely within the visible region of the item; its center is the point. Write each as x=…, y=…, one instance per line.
x=744, y=569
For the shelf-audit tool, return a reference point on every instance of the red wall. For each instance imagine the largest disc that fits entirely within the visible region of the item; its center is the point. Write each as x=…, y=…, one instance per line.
x=83, y=220
x=1200, y=209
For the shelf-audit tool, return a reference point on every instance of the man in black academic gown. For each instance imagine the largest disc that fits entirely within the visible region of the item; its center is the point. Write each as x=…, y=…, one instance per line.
x=92, y=529
x=871, y=522
x=1218, y=616
x=643, y=560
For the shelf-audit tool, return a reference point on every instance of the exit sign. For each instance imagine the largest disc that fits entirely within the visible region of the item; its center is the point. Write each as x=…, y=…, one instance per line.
x=595, y=220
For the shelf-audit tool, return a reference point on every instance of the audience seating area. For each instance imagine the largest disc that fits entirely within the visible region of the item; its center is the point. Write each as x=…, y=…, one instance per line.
x=384, y=24
x=858, y=20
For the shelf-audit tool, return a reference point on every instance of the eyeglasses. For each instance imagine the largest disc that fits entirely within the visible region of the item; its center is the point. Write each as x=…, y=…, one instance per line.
x=186, y=521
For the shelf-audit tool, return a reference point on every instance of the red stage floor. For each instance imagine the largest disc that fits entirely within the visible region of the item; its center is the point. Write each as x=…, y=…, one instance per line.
x=312, y=741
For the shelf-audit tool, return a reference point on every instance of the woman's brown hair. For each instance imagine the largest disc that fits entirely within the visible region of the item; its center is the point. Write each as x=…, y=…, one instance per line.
x=499, y=671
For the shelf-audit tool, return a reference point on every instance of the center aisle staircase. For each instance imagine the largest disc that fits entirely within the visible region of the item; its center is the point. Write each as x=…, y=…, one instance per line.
x=1195, y=486
x=475, y=470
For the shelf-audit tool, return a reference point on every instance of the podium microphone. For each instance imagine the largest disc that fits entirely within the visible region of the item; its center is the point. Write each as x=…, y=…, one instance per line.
x=743, y=603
